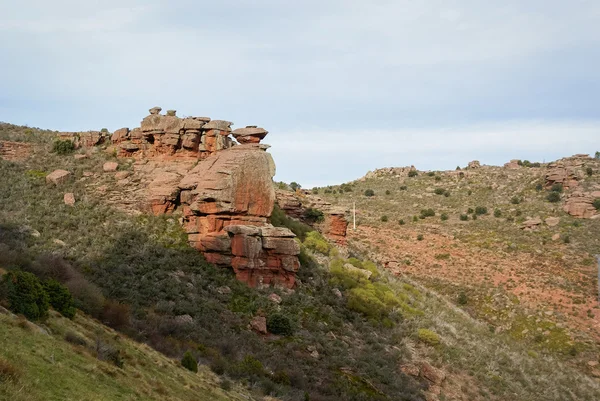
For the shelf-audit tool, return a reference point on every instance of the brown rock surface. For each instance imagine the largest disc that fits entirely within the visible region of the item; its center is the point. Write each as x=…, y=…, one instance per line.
x=249, y=134
x=69, y=199
x=580, y=204
x=58, y=177
x=14, y=151
x=110, y=166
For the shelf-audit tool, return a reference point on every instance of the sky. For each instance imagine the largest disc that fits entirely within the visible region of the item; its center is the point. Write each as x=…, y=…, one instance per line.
x=342, y=86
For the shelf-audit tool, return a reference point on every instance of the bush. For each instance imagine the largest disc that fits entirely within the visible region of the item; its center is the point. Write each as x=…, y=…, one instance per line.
x=480, y=210
x=189, y=362
x=497, y=213
x=420, y=237
x=295, y=186
x=462, y=299
x=60, y=298
x=428, y=337
x=63, y=147
x=431, y=173
x=26, y=295
x=403, y=188
x=589, y=171
x=439, y=191
x=446, y=193
x=438, y=178
x=249, y=366
x=553, y=197
x=596, y=203
x=470, y=210
x=515, y=200
x=8, y=372
x=539, y=187
x=76, y=339
x=557, y=187
x=314, y=215
x=384, y=218
x=427, y=213
x=280, y=324
x=115, y=314
x=597, y=156
x=315, y=191
x=464, y=217
x=413, y=173
x=444, y=217
x=387, y=192
x=415, y=218
x=566, y=239
x=316, y=242
x=401, y=222
x=107, y=352
x=369, y=193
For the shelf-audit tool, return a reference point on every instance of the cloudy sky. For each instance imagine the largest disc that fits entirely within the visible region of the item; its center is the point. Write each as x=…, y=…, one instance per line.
x=343, y=86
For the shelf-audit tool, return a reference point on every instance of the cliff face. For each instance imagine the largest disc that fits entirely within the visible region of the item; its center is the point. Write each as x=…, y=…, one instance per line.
x=222, y=183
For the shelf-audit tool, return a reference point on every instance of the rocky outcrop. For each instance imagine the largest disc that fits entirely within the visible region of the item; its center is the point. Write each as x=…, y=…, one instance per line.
x=513, y=164
x=397, y=172
x=334, y=224
x=567, y=172
x=531, y=224
x=14, y=151
x=580, y=204
x=171, y=137
x=85, y=139
x=474, y=164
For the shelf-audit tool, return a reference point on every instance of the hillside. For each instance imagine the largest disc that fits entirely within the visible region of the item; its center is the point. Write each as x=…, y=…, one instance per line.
x=417, y=324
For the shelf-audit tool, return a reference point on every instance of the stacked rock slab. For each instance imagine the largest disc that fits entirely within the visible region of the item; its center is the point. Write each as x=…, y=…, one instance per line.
x=14, y=151
x=169, y=136
x=567, y=171
x=85, y=139
x=580, y=204
x=227, y=199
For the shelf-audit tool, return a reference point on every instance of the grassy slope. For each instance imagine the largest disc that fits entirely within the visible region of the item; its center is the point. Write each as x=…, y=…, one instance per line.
x=50, y=368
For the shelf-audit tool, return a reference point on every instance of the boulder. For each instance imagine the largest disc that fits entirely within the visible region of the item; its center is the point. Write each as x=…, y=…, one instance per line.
x=259, y=324
x=220, y=125
x=110, y=166
x=249, y=134
x=552, y=221
x=580, y=204
x=58, y=177
x=474, y=164
x=69, y=199
x=155, y=110
x=531, y=224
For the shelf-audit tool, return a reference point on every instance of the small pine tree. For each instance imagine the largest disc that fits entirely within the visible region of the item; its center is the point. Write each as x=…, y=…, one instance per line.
x=60, y=298
x=189, y=362
x=26, y=295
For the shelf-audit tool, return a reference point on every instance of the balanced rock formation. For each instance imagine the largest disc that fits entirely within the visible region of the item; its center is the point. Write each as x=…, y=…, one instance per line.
x=14, y=151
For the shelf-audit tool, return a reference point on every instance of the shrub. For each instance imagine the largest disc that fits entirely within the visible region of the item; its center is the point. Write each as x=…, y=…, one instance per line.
x=589, y=171
x=566, y=239
x=226, y=384
x=8, y=372
x=438, y=178
x=431, y=173
x=480, y=210
x=539, y=187
x=63, y=147
x=369, y=193
x=87, y=296
x=553, y=197
x=218, y=366
x=401, y=222
x=60, y=298
x=464, y=217
x=469, y=192
x=474, y=216
x=439, y=191
x=250, y=366
x=596, y=203
x=515, y=200
x=403, y=188
x=76, y=339
x=427, y=213
x=415, y=218
x=189, y=362
x=387, y=192
x=462, y=298
x=314, y=215
x=315, y=191
x=26, y=295
x=346, y=187
x=497, y=213
x=597, y=156
x=384, y=218
x=444, y=217
x=295, y=186
x=413, y=173
x=280, y=324
x=428, y=337
x=107, y=352
x=420, y=237
x=446, y=193
x=557, y=187
x=316, y=242
x=115, y=314
x=470, y=210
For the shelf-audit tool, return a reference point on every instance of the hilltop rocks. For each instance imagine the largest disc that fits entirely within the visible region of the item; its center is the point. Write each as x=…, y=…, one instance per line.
x=513, y=164
x=85, y=139
x=58, y=177
x=14, y=151
x=580, y=204
x=474, y=164
x=397, y=172
x=567, y=171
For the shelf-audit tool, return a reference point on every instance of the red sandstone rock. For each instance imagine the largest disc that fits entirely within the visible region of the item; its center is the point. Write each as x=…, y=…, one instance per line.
x=110, y=166
x=259, y=324
x=249, y=134
x=58, y=177
x=14, y=151
x=69, y=199
x=580, y=205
